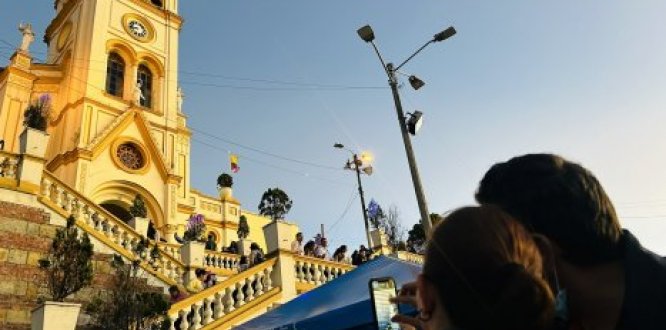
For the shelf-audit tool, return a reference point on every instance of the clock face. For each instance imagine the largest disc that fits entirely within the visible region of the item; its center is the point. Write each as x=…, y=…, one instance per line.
x=137, y=29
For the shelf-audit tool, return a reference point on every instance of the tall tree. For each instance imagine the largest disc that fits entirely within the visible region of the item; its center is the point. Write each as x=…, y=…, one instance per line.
x=388, y=222
x=130, y=303
x=275, y=203
x=243, y=228
x=68, y=265
x=393, y=228
x=416, y=237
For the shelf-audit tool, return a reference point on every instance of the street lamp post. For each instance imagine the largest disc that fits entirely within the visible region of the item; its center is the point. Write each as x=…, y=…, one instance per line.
x=368, y=35
x=358, y=169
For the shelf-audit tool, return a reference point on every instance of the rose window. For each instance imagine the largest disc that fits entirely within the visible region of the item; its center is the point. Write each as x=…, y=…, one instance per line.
x=130, y=156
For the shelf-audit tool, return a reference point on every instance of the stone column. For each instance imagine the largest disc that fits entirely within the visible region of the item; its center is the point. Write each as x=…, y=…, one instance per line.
x=284, y=275
x=244, y=246
x=379, y=242
x=33, y=144
x=279, y=235
x=192, y=256
x=140, y=225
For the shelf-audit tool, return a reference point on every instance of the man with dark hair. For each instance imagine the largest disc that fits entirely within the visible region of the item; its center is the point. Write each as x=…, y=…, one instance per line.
x=297, y=245
x=610, y=280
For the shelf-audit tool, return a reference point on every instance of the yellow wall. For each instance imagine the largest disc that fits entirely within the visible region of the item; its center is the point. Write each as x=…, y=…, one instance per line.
x=86, y=122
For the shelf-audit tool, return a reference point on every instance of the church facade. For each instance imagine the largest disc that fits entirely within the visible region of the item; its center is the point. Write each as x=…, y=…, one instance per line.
x=116, y=129
x=116, y=126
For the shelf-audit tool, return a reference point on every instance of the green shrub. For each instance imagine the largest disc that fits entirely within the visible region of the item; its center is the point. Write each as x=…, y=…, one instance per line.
x=68, y=266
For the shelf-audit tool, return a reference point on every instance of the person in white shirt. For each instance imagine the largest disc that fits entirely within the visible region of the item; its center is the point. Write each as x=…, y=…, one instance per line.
x=297, y=245
x=322, y=249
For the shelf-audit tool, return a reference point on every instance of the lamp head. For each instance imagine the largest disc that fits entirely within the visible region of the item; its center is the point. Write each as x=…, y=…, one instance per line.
x=366, y=33
x=448, y=33
x=416, y=82
x=367, y=170
x=338, y=145
x=414, y=122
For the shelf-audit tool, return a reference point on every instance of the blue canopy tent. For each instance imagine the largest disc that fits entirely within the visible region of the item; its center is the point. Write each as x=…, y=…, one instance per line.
x=340, y=304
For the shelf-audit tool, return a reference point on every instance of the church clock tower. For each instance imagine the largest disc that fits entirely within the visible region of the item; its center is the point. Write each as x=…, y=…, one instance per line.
x=117, y=129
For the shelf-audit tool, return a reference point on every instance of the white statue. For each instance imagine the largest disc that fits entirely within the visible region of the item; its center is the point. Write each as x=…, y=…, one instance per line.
x=138, y=93
x=28, y=36
x=179, y=98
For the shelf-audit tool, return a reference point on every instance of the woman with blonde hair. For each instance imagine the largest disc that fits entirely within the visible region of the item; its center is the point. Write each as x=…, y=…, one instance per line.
x=482, y=271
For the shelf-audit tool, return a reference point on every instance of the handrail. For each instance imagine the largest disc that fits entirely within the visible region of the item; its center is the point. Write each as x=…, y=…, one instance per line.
x=342, y=265
x=219, y=261
x=170, y=248
x=222, y=299
x=411, y=257
x=315, y=271
x=68, y=201
x=222, y=260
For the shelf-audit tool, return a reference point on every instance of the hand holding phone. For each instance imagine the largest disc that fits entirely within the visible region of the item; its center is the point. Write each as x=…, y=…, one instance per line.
x=382, y=291
x=407, y=300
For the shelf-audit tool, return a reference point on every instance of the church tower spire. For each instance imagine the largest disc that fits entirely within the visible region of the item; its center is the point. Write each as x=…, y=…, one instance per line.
x=117, y=129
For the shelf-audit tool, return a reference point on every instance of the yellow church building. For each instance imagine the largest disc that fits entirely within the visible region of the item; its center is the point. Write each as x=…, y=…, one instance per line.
x=116, y=130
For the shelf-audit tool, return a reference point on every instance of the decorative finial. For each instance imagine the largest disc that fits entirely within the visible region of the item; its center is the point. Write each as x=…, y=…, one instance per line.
x=180, y=96
x=28, y=36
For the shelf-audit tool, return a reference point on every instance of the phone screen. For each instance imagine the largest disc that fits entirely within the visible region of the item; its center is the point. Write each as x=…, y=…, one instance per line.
x=382, y=290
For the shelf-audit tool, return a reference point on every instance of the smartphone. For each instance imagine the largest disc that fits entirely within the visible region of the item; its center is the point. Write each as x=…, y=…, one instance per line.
x=381, y=290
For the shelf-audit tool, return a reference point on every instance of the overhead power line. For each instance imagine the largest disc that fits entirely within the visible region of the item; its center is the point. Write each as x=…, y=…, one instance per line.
x=237, y=144
x=351, y=200
x=307, y=175
x=307, y=86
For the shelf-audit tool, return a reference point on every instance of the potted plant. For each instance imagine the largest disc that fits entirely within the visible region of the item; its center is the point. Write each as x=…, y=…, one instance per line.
x=224, y=184
x=243, y=232
x=139, y=212
x=192, y=250
x=34, y=139
x=275, y=203
x=243, y=228
x=67, y=268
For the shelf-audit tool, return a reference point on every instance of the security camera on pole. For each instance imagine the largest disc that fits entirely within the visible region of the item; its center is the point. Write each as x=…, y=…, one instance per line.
x=413, y=123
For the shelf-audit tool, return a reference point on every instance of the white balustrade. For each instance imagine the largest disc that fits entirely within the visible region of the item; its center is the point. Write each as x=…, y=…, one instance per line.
x=221, y=260
x=408, y=256
x=222, y=299
x=99, y=221
x=316, y=271
x=171, y=249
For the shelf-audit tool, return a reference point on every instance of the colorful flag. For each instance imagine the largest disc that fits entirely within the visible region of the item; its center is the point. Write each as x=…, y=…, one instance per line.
x=233, y=159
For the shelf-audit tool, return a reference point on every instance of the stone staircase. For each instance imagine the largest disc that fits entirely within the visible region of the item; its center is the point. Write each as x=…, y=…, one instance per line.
x=236, y=299
x=230, y=301
x=105, y=227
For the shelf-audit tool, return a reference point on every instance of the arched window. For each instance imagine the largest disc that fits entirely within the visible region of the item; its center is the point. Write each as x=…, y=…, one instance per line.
x=157, y=3
x=115, y=75
x=145, y=77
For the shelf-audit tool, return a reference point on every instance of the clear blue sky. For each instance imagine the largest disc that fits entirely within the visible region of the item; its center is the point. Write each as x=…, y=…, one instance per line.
x=583, y=79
